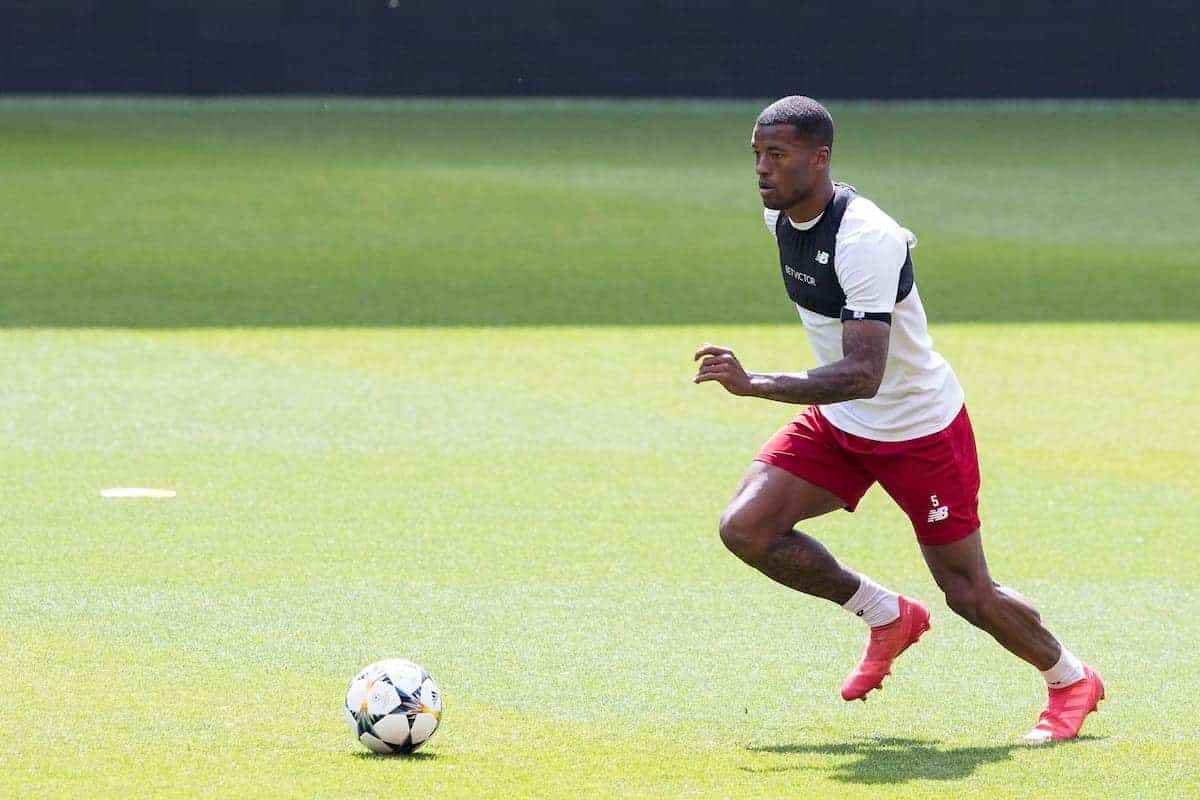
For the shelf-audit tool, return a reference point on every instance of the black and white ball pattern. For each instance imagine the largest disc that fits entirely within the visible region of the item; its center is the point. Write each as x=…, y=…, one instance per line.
x=393, y=706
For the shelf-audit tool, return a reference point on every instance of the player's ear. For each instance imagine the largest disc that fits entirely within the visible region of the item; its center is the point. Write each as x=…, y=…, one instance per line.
x=820, y=158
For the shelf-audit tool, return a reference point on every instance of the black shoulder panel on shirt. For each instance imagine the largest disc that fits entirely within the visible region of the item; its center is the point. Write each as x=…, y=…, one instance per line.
x=806, y=259
x=906, y=277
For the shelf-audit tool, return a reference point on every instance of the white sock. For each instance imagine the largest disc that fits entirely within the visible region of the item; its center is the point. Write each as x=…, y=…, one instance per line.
x=875, y=604
x=1068, y=670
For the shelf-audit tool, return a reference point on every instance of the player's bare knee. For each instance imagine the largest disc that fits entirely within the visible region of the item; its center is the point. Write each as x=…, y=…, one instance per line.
x=962, y=602
x=966, y=599
x=744, y=533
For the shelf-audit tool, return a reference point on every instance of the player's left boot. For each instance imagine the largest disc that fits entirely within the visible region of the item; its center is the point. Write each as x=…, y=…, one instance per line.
x=884, y=645
x=1066, y=708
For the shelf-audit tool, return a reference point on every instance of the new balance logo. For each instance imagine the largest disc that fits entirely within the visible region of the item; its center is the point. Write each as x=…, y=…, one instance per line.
x=822, y=257
x=938, y=513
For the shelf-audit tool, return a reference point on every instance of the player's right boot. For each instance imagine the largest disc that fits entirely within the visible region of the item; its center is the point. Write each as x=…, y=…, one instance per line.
x=884, y=645
x=1066, y=709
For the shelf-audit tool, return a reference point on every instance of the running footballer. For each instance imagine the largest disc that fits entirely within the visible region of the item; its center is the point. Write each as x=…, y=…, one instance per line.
x=883, y=407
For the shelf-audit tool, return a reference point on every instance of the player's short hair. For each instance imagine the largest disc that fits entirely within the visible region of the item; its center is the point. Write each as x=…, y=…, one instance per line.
x=811, y=120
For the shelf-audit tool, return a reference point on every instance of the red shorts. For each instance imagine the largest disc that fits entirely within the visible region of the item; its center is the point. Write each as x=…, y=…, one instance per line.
x=934, y=478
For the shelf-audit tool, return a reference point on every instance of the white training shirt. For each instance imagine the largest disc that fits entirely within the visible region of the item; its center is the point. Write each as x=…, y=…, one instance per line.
x=920, y=393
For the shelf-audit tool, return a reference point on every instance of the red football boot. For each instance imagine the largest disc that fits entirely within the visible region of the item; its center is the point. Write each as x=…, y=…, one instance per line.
x=886, y=642
x=1065, y=710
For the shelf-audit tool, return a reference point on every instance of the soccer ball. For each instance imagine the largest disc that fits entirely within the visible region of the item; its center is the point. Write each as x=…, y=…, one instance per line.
x=393, y=706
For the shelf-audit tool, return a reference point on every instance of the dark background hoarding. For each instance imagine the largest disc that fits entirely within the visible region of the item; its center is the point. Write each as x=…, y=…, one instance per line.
x=935, y=48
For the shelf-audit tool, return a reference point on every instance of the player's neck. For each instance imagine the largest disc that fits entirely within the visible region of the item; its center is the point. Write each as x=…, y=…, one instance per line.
x=814, y=204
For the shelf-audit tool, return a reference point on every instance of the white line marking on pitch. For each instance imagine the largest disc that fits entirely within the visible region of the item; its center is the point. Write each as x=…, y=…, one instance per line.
x=137, y=492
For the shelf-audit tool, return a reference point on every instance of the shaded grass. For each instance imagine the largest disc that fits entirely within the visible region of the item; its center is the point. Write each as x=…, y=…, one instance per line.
x=166, y=214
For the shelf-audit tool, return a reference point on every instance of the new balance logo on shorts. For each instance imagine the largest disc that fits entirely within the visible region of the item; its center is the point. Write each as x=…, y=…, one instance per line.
x=938, y=513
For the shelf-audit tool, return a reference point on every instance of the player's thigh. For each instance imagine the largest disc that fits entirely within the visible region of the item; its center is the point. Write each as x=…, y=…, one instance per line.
x=801, y=472
x=769, y=496
x=935, y=480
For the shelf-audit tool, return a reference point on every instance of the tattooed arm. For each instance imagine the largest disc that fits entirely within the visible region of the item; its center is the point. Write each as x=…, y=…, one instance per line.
x=857, y=375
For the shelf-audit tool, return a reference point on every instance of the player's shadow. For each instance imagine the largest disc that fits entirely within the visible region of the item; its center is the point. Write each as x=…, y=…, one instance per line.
x=877, y=760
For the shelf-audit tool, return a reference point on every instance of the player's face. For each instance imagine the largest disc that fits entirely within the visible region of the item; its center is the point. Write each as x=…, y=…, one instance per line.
x=788, y=168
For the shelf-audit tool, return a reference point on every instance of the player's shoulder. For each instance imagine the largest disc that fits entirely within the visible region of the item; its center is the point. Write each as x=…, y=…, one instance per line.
x=865, y=220
x=863, y=215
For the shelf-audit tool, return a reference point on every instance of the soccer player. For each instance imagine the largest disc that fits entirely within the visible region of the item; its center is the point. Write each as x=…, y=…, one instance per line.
x=882, y=406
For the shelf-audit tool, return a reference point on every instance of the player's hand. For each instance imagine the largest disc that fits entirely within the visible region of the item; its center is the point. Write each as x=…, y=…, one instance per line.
x=721, y=365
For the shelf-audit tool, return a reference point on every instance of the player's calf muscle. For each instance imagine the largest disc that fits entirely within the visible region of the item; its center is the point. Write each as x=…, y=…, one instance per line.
x=1008, y=617
x=787, y=556
x=802, y=563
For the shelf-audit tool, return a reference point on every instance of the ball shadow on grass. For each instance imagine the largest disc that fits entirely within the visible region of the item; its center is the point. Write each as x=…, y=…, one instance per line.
x=420, y=755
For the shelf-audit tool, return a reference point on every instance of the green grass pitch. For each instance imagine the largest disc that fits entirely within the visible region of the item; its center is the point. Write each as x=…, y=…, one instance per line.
x=419, y=372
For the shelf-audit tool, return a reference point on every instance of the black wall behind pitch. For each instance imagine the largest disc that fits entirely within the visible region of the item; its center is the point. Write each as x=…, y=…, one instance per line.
x=924, y=48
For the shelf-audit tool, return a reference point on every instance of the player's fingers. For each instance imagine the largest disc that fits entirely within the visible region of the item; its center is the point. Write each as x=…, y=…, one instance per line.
x=716, y=371
x=715, y=362
x=712, y=350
